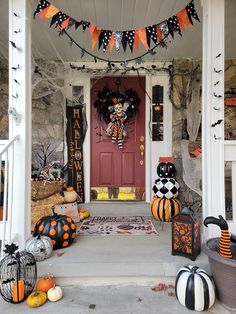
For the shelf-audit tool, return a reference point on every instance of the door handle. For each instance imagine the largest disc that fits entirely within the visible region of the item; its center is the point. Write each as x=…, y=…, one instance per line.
x=141, y=147
x=141, y=139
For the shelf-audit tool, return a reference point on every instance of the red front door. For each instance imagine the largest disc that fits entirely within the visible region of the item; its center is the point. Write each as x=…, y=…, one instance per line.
x=112, y=166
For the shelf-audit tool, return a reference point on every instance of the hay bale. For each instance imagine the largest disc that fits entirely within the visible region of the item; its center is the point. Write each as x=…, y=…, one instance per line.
x=43, y=207
x=43, y=189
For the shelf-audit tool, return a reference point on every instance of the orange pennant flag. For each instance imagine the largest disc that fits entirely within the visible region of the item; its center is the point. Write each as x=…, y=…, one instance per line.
x=95, y=36
x=136, y=40
x=183, y=19
x=65, y=23
x=159, y=34
x=112, y=42
x=142, y=36
x=49, y=12
x=92, y=28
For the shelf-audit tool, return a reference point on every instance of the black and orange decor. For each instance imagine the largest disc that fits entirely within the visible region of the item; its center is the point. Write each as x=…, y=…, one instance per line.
x=163, y=209
x=186, y=236
x=60, y=228
x=225, y=241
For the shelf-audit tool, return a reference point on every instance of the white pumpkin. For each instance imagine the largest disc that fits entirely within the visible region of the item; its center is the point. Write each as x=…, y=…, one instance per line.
x=194, y=288
x=55, y=294
x=70, y=196
x=41, y=247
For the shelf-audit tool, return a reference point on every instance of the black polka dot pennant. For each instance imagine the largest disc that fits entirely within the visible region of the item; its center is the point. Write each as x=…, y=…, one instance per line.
x=192, y=13
x=173, y=25
x=84, y=24
x=129, y=35
x=43, y=4
x=151, y=34
x=58, y=19
x=104, y=39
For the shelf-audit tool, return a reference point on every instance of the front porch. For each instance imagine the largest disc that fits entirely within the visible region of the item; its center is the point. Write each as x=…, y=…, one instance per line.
x=44, y=79
x=121, y=259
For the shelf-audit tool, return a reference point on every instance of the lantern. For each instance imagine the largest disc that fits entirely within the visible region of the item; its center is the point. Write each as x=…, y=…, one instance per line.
x=18, y=273
x=186, y=235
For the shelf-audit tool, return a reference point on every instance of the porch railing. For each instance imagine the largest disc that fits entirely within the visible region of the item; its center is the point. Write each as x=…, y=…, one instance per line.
x=230, y=156
x=6, y=189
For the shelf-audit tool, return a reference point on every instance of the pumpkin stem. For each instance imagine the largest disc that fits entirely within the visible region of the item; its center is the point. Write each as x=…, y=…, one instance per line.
x=194, y=269
x=48, y=276
x=53, y=211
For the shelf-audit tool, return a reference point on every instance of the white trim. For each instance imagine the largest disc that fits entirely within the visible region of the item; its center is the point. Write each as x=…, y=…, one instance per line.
x=74, y=77
x=213, y=149
x=233, y=176
x=148, y=142
x=21, y=203
x=162, y=148
x=230, y=150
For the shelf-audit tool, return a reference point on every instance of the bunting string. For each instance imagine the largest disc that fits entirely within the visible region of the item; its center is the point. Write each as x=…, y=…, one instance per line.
x=108, y=40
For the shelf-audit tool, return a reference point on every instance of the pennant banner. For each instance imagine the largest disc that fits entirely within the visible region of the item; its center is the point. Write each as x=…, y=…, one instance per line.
x=148, y=35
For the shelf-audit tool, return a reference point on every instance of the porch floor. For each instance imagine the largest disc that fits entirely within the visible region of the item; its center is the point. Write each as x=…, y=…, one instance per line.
x=110, y=299
x=118, y=259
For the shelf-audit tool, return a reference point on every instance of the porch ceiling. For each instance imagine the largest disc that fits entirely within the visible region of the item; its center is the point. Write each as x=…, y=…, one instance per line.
x=118, y=15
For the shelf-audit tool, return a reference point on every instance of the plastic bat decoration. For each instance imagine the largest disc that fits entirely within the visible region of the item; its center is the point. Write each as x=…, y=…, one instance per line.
x=8, y=280
x=30, y=264
x=216, y=123
x=12, y=263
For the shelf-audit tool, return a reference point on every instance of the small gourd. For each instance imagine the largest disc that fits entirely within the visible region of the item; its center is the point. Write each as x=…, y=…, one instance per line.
x=54, y=294
x=83, y=214
x=70, y=195
x=45, y=283
x=36, y=299
x=41, y=247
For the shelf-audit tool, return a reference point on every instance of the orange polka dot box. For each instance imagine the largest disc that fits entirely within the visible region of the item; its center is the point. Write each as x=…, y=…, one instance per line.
x=60, y=228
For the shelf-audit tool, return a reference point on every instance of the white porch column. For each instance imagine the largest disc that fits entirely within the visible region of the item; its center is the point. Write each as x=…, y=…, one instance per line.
x=212, y=111
x=20, y=99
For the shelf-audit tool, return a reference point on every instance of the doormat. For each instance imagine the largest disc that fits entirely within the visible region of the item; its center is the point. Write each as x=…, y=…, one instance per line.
x=133, y=225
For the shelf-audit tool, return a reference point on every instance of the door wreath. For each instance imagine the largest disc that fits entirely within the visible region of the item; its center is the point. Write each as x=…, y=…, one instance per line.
x=117, y=109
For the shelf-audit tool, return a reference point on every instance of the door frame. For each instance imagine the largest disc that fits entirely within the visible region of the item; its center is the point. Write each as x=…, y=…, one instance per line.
x=153, y=150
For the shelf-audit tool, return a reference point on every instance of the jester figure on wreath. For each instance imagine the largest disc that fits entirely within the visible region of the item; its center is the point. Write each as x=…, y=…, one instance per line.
x=116, y=128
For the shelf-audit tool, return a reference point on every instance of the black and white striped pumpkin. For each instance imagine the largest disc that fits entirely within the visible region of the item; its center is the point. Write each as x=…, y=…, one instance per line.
x=194, y=288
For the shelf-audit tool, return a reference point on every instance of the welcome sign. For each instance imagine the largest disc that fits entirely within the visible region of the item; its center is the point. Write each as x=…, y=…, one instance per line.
x=74, y=137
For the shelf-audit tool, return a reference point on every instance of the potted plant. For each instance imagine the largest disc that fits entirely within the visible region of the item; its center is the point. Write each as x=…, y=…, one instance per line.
x=221, y=254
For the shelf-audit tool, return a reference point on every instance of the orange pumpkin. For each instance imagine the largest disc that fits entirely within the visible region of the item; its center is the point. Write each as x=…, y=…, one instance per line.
x=163, y=209
x=45, y=283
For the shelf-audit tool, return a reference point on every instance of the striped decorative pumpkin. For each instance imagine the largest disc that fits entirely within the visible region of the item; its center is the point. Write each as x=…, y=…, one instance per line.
x=163, y=209
x=194, y=288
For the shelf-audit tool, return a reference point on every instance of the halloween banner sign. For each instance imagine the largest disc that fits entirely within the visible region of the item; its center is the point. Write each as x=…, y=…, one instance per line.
x=74, y=138
x=153, y=34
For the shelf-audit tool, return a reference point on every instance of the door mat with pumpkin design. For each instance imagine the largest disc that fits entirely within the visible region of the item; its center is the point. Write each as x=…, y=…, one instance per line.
x=133, y=225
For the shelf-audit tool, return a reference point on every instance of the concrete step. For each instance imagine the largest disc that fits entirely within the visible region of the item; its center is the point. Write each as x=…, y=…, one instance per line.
x=107, y=300
x=118, y=259
x=117, y=208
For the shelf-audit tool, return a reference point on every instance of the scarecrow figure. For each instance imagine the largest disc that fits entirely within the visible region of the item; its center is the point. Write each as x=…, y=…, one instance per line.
x=116, y=128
